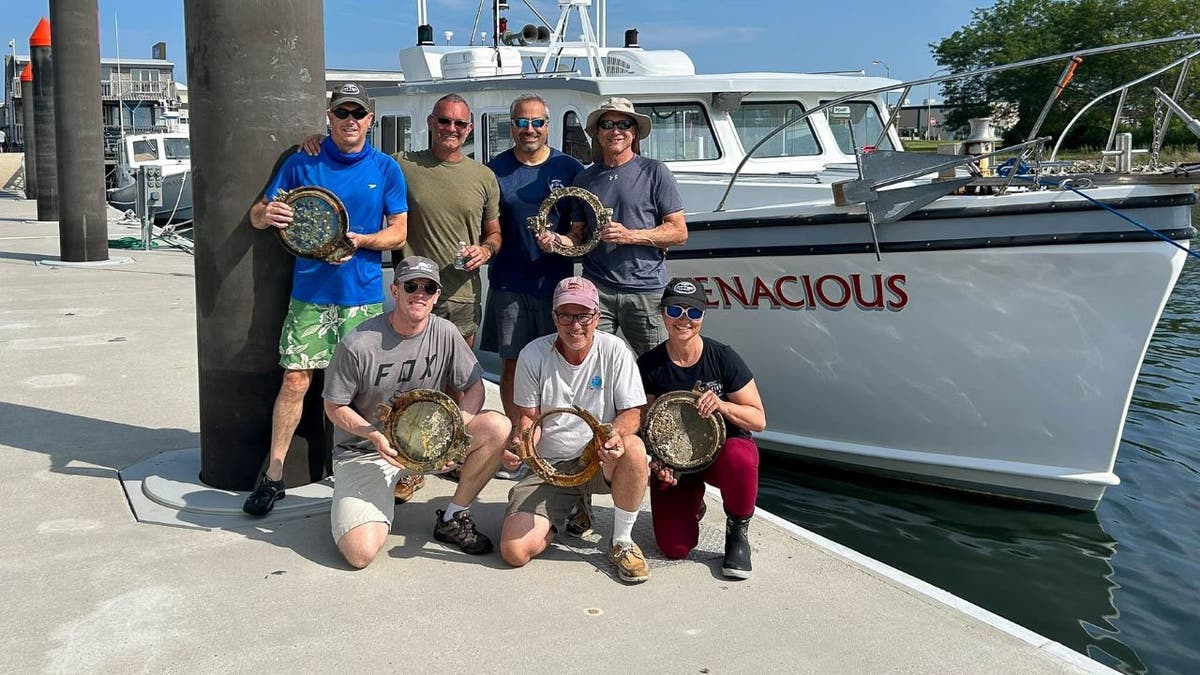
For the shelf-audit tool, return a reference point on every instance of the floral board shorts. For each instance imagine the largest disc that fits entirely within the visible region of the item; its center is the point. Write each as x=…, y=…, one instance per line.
x=310, y=332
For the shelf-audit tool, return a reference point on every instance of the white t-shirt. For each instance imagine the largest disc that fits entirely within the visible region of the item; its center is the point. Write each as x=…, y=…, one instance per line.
x=606, y=383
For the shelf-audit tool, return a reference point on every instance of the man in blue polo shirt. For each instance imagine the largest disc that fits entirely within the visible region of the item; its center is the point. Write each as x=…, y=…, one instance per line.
x=330, y=299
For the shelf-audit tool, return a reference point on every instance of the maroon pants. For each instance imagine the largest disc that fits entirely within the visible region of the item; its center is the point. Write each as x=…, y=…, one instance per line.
x=675, y=509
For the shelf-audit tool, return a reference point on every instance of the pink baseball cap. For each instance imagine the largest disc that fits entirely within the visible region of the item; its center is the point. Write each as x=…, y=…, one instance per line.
x=577, y=291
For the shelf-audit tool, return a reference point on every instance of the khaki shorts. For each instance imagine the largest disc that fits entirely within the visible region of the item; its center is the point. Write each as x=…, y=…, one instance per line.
x=534, y=495
x=464, y=315
x=637, y=315
x=311, y=331
x=362, y=492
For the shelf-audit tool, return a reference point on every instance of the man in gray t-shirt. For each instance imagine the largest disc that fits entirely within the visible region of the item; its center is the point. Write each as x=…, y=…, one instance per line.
x=596, y=371
x=388, y=355
x=629, y=265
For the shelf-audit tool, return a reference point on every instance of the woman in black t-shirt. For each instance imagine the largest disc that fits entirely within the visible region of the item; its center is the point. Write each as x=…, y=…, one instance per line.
x=678, y=364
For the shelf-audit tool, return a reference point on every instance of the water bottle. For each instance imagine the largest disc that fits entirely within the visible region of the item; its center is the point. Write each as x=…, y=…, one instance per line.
x=460, y=258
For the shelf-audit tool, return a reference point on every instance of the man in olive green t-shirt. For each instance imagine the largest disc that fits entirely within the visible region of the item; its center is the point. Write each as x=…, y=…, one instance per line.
x=452, y=200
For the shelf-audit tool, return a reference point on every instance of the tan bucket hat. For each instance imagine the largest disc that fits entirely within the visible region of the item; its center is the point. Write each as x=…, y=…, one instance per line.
x=620, y=105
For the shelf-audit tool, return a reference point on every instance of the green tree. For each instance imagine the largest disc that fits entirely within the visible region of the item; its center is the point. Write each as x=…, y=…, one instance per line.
x=1017, y=30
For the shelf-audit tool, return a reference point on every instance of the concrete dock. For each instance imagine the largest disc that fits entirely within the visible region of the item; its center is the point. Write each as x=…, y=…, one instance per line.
x=100, y=378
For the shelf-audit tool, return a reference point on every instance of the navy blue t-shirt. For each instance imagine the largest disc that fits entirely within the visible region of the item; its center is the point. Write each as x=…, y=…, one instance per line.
x=719, y=370
x=520, y=266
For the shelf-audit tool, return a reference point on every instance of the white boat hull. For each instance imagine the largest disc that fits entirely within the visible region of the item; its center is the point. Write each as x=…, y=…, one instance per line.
x=1005, y=369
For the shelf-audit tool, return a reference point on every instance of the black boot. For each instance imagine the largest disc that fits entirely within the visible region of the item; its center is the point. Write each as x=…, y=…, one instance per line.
x=737, y=549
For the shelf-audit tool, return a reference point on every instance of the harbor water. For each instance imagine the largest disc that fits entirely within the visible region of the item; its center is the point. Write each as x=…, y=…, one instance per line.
x=1121, y=585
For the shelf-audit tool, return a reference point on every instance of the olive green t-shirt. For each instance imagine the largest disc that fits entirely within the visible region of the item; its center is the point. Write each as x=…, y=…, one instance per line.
x=448, y=202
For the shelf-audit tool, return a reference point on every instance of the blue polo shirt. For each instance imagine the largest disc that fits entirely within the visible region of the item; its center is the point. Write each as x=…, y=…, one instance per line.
x=370, y=185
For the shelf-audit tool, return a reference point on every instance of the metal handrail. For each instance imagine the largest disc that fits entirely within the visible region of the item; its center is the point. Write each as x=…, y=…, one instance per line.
x=944, y=78
x=1122, y=89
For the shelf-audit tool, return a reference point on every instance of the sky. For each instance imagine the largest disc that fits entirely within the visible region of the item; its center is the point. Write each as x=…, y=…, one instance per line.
x=719, y=36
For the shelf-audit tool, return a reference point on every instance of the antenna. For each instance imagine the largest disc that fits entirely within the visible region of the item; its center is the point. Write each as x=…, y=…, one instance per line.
x=120, y=89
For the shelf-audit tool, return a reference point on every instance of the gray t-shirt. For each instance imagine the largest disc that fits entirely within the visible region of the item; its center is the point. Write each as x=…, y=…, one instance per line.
x=606, y=383
x=374, y=363
x=641, y=193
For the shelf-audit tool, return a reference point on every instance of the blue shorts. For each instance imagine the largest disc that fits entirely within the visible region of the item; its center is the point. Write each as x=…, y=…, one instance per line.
x=513, y=320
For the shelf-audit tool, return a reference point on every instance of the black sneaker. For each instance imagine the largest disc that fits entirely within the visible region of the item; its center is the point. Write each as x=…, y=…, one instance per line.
x=737, y=549
x=579, y=523
x=262, y=500
x=460, y=531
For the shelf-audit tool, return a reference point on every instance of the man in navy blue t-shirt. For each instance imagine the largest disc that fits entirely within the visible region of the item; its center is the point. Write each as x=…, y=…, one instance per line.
x=522, y=277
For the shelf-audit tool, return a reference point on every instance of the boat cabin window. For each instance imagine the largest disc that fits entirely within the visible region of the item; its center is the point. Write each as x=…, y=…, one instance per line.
x=574, y=138
x=755, y=119
x=497, y=137
x=395, y=133
x=145, y=151
x=678, y=132
x=177, y=148
x=867, y=124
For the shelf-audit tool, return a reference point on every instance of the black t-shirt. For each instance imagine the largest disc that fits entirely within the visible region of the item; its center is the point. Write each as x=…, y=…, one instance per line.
x=719, y=370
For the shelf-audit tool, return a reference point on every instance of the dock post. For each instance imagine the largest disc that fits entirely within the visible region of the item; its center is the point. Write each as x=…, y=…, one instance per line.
x=30, y=136
x=256, y=78
x=79, y=138
x=43, y=121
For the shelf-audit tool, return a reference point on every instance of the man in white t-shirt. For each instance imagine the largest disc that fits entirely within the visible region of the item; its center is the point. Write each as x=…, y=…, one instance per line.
x=577, y=366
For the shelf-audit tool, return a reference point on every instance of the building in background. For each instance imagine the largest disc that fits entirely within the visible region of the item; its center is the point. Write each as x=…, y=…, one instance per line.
x=137, y=96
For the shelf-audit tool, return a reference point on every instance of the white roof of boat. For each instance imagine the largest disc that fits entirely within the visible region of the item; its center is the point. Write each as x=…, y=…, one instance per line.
x=661, y=85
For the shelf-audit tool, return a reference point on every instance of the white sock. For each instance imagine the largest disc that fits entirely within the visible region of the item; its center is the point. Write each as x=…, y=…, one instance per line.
x=452, y=509
x=623, y=524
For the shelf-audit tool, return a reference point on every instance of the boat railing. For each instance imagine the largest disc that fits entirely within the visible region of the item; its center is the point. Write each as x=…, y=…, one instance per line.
x=1072, y=58
x=1123, y=90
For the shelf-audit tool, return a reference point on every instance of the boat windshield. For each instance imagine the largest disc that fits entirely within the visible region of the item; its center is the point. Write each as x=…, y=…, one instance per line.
x=756, y=119
x=145, y=151
x=867, y=124
x=679, y=132
x=178, y=148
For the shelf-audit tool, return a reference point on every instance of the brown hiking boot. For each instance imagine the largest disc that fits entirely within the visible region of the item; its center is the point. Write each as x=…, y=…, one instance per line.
x=406, y=486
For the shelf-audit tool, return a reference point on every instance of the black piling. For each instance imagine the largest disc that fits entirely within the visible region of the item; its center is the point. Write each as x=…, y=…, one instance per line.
x=79, y=137
x=256, y=79
x=43, y=121
x=30, y=136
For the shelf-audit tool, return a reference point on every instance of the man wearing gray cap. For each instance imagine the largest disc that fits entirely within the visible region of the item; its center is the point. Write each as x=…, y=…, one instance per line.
x=401, y=351
x=329, y=299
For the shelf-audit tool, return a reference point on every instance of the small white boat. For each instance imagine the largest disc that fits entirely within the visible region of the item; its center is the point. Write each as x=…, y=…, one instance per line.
x=981, y=332
x=171, y=151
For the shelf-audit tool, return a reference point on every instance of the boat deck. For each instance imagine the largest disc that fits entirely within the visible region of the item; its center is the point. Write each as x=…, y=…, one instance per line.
x=100, y=368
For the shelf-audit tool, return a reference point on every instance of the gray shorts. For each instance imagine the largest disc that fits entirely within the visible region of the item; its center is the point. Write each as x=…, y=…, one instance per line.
x=513, y=320
x=464, y=315
x=635, y=314
x=534, y=495
x=363, y=487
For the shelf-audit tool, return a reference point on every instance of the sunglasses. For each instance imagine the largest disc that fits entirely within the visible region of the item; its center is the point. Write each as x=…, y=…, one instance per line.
x=526, y=122
x=564, y=319
x=343, y=113
x=623, y=125
x=458, y=124
x=676, y=311
x=430, y=287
